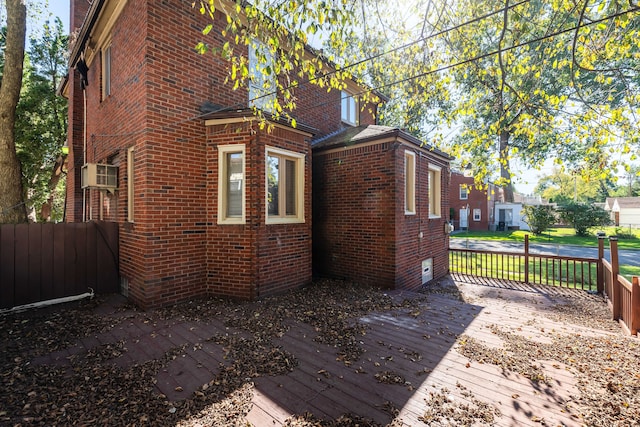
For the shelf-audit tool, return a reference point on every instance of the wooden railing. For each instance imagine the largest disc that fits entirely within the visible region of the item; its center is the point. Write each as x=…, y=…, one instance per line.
x=592, y=274
x=622, y=296
x=569, y=272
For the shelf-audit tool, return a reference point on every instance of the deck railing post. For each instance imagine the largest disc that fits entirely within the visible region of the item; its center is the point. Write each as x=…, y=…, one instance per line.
x=599, y=268
x=635, y=305
x=615, y=269
x=526, y=258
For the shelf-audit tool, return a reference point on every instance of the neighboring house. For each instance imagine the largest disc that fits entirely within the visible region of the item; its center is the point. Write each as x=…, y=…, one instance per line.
x=472, y=208
x=624, y=211
x=208, y=202
x=380, y=206
x=510, y=216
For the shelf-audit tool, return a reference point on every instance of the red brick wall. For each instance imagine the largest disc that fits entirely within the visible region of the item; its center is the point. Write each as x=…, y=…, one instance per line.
x=418, y=236
x=174, y=250
x=476, y=199
x=256, y=259
x=360, y=230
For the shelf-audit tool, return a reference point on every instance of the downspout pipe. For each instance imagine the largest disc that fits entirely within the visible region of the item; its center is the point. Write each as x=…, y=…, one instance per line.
x=41, y=304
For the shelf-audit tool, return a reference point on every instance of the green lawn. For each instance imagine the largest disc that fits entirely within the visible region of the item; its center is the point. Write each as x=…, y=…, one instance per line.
x=562, y=236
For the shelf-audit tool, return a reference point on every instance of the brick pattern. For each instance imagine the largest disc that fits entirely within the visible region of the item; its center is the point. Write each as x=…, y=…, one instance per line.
x=476, y=199
x=361, y=232
x=175, y=250
x=256, y=259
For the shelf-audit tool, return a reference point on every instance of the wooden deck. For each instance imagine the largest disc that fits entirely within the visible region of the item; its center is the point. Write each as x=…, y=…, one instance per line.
x=411, y=359
x=420, y=348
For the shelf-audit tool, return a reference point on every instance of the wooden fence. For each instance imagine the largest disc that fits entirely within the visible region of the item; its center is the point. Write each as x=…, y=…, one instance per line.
x=39, y=262
x=569, y=272
x=622, y=296
x=593, y=274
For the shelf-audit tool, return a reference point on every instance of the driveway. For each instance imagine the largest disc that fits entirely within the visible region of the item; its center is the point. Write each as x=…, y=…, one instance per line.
x=626, y=257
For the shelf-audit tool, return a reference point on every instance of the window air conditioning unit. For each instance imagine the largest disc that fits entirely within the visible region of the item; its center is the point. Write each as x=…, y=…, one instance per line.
x=95, y=175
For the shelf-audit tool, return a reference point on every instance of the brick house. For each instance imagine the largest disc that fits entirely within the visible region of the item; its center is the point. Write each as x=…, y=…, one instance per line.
x=208, y=202
x=472, y=208
x=380, y=206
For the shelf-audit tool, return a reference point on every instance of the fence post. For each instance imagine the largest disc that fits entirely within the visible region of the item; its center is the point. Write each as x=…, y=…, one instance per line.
x=635, y=305
x=526, y=258
x=615, y=270
x=600, y=269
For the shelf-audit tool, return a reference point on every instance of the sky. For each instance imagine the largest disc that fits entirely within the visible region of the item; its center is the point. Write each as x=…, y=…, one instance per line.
x=60, y=8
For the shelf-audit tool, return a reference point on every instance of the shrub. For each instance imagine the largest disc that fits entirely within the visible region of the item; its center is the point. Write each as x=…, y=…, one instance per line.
x=583, y=216
x=539, y=218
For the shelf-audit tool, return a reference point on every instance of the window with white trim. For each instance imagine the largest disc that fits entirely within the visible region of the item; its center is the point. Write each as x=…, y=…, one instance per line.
x=106, y=70
x=262, y=78
x=435, y=187
x=476, y=215
x=285, y=186
x=464, y=192
x=231, y=184
x=409, y=183
x=349, y=108
x=130, y=184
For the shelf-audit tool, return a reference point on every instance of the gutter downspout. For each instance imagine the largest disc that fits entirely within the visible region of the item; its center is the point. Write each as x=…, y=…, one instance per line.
x=84, y=151
x=47, y=303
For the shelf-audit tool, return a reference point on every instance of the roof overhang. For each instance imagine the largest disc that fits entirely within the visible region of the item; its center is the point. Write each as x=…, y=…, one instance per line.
x=249, y=115
x=97, y=25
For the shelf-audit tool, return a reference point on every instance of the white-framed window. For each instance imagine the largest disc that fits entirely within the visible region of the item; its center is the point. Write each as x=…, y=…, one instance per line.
x=349, y=108
x=284, y=186
x=231, y=184
x=106, y=70
x=464, y=192
x=130, y=183
x=409, y=183
x=435, y=187
x=477, y=214
x=262, y=78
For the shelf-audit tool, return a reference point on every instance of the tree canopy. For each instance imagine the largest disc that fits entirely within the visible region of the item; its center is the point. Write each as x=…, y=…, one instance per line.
x=488, y=81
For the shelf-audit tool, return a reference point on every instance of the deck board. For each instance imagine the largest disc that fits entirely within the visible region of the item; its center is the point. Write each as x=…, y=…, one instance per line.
x=421, y=348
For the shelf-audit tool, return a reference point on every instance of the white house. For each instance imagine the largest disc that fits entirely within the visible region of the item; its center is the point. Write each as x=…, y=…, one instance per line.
x=624, y=211
x=509, y=216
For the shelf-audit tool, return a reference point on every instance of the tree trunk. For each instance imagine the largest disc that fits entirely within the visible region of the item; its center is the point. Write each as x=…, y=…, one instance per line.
x=47, y=207
x=12, y=207
x=505, y=170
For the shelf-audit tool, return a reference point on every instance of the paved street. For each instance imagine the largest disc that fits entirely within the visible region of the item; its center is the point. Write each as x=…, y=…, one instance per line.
x=627, y=257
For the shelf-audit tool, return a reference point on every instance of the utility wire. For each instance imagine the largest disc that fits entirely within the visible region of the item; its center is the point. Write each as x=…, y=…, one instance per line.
x=414, y=77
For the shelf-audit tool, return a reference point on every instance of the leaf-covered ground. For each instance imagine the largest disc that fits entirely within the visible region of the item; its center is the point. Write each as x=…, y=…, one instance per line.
x=89, y=389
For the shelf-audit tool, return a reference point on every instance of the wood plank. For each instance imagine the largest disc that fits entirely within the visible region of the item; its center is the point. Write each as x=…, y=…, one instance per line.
x=92, y=258
x=22, y=291
x=59, y=263
x=34, y=262
x=7, y=266
x=107, y=273
x=46, y=261
x=78, y=286
x=70, y=258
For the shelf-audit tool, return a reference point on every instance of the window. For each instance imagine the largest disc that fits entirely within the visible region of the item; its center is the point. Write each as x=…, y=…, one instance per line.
x=231, y=184
x=130, y=170
x=262, y=79
x=285, y=186
x=476, y=214
x=435, y=173
x=349, y=109
x=409, y=183
x=464, y=192
x=106, y=71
